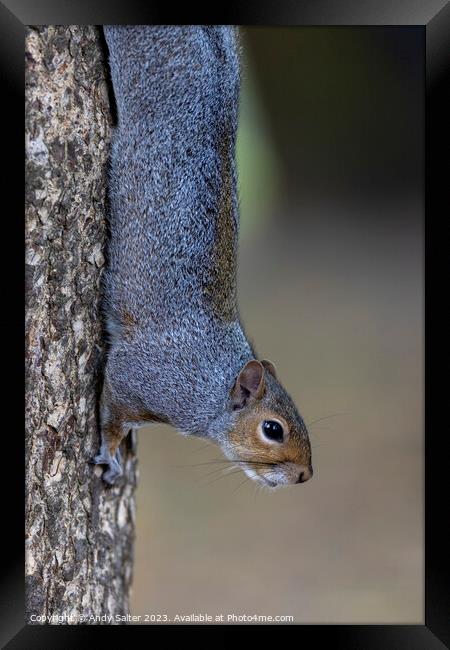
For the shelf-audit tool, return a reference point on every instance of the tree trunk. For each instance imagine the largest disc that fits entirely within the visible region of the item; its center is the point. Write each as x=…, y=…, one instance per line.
x=79, y=533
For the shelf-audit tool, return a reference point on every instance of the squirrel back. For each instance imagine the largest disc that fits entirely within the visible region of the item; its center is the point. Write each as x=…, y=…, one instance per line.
x=178, y=352
x=174, y=213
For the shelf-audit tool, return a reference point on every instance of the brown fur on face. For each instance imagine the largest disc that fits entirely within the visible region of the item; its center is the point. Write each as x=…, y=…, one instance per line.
x=248, y=443
x=258, y=396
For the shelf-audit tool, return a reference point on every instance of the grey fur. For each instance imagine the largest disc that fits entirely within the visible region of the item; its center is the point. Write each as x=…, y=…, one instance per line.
x=174, y=226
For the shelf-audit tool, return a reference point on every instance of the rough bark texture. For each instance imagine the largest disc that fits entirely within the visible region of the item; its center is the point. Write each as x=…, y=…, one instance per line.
x=79, y=534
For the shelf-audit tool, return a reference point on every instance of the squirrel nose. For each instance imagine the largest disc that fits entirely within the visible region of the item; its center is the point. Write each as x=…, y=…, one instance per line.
x=305, y=474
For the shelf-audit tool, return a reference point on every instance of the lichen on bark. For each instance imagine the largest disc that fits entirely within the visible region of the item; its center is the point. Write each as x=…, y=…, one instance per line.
x=79, y=534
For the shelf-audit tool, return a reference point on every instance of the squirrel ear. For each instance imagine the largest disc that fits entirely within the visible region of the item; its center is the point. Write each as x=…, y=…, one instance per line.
x=249, y=384
x=268, y=365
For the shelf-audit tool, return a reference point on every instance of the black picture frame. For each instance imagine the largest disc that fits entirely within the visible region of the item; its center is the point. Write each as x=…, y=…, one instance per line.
x=434, y=17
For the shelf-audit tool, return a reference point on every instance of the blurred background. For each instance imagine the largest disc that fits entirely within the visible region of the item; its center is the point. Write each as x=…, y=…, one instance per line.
x=331, y=159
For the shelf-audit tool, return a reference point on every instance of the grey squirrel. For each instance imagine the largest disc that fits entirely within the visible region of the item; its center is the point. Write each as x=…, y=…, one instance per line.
x=177, y=350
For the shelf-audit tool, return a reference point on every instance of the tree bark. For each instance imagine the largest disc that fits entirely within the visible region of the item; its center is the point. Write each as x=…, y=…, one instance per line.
x=79, y=533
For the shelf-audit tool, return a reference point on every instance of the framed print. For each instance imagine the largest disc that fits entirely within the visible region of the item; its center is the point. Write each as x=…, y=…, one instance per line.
x=232, y=234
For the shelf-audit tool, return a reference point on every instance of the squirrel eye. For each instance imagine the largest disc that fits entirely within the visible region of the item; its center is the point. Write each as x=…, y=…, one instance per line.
x=273, y=430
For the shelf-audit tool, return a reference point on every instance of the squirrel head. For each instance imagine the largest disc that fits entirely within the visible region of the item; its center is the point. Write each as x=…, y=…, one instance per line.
x=269, y=439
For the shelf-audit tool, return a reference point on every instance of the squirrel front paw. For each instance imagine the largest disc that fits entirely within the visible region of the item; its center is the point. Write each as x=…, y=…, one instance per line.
x=114, y=470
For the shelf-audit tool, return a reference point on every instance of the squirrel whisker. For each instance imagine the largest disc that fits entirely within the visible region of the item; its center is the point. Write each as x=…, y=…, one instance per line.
x=333, y=415
x=215, y=480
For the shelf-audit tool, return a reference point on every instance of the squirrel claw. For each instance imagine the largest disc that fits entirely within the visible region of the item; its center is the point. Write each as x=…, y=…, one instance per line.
x=114, y=469
x=113, y=472
x=101, y=459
